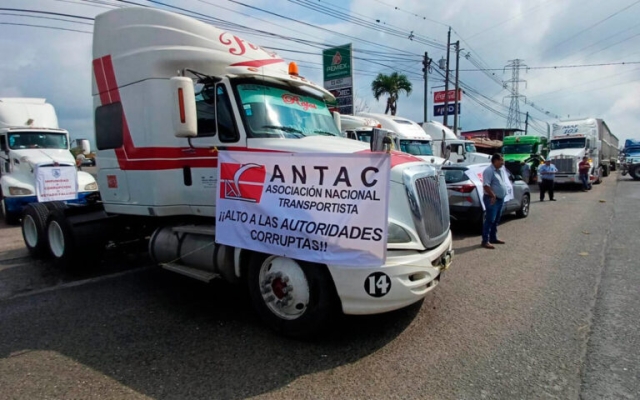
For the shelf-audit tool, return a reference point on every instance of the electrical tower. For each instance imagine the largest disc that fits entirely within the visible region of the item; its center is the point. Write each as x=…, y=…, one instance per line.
x=514, y=120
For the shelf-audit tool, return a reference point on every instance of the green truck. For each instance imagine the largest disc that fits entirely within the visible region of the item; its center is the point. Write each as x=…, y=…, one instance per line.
x=523, y=155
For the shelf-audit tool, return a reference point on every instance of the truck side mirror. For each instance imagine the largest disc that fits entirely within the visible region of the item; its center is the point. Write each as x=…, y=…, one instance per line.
x=184, y=116
x=336, y=119
x=460, y=150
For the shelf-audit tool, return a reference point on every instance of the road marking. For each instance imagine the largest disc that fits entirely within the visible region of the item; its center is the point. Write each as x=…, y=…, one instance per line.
x=82, y=282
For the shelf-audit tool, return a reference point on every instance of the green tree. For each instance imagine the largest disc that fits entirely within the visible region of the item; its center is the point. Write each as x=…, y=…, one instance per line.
x=391, y=85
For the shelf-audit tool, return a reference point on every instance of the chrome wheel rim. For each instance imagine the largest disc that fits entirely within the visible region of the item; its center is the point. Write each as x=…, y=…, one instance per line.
x=284, y=287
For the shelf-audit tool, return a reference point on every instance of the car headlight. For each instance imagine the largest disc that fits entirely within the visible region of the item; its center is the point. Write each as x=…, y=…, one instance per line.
x=91, y=186
x=397, y=234
x=18, y=191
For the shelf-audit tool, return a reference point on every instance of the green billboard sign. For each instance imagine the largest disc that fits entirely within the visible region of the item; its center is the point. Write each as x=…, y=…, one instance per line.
x=336, y=62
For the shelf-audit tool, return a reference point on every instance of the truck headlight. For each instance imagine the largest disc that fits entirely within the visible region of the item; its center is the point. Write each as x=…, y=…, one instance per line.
x=18, y=191
x=397, y=234
x=91, y=186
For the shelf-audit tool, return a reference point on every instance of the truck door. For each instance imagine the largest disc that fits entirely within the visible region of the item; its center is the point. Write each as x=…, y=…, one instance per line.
x=4, y=155
x=217, y=127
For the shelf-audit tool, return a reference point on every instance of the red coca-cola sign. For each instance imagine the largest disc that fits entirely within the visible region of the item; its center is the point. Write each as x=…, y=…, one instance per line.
x=439, y=97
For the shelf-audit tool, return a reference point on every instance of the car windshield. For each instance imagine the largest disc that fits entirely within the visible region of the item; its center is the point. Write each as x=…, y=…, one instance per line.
x=38, y=140
x=517, y=149
x=470, y=147
x=270, y=110
x=416, y=147
x=454, y=175
x=574, y=143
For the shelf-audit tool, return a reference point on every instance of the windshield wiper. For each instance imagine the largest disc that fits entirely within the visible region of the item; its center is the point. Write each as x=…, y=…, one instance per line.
x=288, y=129
x=325, y=133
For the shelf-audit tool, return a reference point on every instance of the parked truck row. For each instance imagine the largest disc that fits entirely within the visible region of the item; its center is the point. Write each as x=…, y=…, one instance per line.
x=169, y=94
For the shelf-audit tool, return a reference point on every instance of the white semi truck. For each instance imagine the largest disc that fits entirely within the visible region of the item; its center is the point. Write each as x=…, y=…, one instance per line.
x=446, y=143
x=169, y=92
x=408, y=136
x=571, y=140
x=30, y=138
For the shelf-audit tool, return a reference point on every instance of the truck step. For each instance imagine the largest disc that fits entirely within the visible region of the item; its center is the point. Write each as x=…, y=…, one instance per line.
x=208, y=230
x=198, y=274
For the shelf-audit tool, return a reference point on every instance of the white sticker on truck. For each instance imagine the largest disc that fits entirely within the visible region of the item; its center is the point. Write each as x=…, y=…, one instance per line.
x=56, y=183
x=325, y=208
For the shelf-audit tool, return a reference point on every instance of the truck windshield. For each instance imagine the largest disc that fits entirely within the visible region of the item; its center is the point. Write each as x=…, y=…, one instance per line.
x=517, y=149
x=38, y=140
x=416, y=147
x=573, y=143
x=270, y=110
x=470, y=147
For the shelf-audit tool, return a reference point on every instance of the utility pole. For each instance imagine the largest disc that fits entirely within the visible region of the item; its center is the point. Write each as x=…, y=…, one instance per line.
x=455, y=115
x=425, y=68
x=446, y=81
x=526, y=124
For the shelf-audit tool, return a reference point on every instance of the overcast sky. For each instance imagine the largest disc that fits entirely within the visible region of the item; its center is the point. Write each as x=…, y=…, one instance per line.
x=54, y=64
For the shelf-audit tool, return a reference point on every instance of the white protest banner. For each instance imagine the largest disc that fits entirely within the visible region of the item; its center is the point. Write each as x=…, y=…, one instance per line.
x=475, y=175
x=56, y=183
x=325, y=208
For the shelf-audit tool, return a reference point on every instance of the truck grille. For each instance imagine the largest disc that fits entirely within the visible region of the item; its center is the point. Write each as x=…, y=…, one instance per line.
x=565, y=165
x=429, y=202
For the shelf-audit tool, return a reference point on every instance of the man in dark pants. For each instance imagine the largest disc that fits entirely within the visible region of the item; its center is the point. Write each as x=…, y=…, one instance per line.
x=583, y=169
x=547, y=173
x=495, y=190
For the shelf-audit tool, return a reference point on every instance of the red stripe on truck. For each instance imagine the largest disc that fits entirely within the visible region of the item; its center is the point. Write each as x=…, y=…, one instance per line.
x=135, y=158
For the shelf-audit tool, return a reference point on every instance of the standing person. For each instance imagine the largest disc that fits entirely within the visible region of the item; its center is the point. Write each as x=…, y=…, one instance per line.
x=495, y=189
x=583, y=169
x=548, y=174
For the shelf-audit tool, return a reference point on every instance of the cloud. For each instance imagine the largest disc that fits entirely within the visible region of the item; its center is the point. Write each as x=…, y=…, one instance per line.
x=57, y=65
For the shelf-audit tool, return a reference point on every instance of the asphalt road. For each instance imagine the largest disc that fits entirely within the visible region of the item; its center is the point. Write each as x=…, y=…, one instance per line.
x=551, y=314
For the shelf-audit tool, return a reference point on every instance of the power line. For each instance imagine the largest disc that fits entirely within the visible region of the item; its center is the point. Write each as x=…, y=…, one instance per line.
x=561, y=66
x=592, y=26
x=44, y=26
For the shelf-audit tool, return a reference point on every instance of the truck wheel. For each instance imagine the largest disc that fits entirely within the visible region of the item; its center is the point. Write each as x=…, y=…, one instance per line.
x=62, y=244
x=605, y=171
x=635, y=172
x=34, y=229
x=294, y=298
x=523, y=212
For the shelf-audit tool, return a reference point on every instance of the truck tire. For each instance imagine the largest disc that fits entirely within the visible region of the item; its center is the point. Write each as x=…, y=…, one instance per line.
x=62, y=244
x=10, y=218
x=634, y=171
x=523, y=212
x=295, y=298
x=34, y=230
x=605, y=171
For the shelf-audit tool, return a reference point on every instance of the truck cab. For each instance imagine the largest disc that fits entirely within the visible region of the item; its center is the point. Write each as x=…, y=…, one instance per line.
x=408, y=136
x=30, y=138
x=524, y=154
x=447, y=145
x=169, y=93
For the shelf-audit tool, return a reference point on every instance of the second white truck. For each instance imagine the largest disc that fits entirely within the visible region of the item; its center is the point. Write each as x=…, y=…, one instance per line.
x=30, y=138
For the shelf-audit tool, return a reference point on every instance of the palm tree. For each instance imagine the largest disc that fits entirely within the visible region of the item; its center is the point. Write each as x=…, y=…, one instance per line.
x=391, y=85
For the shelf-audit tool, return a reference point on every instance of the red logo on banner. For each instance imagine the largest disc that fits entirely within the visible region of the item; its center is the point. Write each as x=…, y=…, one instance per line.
x=244, y=182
